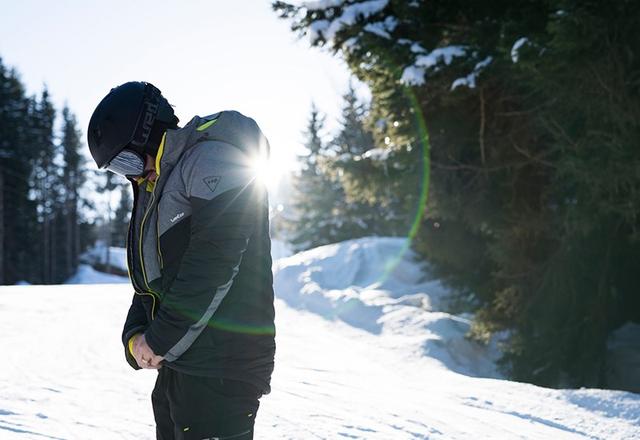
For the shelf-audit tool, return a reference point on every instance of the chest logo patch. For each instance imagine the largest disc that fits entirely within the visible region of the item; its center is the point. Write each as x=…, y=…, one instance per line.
x=177, y=217
x=212, y=182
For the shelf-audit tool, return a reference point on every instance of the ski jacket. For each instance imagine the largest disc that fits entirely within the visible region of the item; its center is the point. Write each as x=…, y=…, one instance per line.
x=199, y=254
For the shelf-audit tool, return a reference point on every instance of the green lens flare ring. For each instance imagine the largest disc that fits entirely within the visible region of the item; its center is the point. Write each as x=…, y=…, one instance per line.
x=423, y=144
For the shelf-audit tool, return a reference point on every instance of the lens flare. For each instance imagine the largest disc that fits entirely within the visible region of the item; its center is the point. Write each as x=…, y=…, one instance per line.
x=423, y=143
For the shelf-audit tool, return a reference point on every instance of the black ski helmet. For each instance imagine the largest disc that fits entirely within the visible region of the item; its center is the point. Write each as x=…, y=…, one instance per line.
x=134, y=114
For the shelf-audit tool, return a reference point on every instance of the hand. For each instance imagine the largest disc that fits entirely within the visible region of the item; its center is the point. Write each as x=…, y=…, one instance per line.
x=144, y=356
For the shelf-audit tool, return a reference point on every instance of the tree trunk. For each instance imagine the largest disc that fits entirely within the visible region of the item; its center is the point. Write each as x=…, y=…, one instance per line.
x=68, y=267
x=1, y=227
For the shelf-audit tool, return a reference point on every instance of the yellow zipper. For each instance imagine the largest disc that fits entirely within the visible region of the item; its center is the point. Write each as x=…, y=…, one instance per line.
x=144, y=275
x=153, y=195
x=153, y=306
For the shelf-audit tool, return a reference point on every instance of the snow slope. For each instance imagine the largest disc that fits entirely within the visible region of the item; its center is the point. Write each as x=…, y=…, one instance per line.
x=374, y=284
x=362, y=352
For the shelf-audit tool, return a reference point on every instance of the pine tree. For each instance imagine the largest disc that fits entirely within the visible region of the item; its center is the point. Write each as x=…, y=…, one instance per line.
x=73, y=179
x=520, y=120
x=355, y=154
x=17, y=151
x=314, y=221
x=42, y=231
x=46, y=174
x=15, y=170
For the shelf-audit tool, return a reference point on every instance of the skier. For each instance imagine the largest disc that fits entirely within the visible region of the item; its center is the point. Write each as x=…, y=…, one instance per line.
x=199, y=259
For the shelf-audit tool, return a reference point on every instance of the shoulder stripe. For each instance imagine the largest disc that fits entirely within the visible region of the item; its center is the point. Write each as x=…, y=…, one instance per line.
x=206, y=125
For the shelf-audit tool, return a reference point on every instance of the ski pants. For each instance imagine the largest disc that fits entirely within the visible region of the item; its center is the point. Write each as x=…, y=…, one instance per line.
x=187, y=407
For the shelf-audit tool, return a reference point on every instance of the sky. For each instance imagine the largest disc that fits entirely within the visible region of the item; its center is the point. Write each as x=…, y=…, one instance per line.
x=205, y=56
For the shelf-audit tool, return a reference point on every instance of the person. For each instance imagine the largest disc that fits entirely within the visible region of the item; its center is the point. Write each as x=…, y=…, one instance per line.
x=199, y=259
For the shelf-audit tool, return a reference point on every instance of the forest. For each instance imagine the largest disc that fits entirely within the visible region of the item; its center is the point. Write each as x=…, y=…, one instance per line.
x=502, y=140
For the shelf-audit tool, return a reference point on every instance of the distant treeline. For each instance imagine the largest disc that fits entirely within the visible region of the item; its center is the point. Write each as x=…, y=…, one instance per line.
x=523, y=117
x=43, y=211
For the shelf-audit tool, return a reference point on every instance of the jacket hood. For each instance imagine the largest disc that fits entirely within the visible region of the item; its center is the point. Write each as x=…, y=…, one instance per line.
x=234, y=128
x=229, y=126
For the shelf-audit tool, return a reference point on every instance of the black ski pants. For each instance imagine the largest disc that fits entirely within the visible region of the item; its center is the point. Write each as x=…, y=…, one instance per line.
x=189, y=407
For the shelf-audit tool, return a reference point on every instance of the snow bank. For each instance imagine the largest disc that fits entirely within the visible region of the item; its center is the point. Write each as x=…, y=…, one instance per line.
x=375, y=284
x=279, y=249
x=97, y=255
x=88, y=275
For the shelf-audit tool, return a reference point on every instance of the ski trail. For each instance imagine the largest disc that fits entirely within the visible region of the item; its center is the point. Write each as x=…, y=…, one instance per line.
x=65, y=377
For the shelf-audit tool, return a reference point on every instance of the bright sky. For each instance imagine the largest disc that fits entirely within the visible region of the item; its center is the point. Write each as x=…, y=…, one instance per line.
x=205, y=56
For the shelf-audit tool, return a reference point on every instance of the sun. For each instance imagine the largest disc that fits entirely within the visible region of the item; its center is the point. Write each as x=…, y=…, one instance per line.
x=267, y=171
x=273, y=166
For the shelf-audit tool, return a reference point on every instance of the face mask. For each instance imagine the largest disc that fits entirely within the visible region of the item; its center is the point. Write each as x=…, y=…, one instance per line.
x=127, y=163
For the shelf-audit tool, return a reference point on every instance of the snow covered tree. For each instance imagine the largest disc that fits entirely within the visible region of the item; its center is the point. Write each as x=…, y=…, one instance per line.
x=326, y=208
x=519, y=118
x=314, y=221
x=353, y=150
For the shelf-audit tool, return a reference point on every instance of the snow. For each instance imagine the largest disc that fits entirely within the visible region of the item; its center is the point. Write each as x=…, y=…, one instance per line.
x=382, y=28
x=364, y=351
x=415, y=73
x=516, y=47
x=416, y=47
x=321, y=4
x=280, y=249
x=350, y=14
x=440, y=54
x=373, y=284
x=98, y=255
x=380, y=154
x=316, y=28
x=88, y=275
x=470, y=79
x=350, y=44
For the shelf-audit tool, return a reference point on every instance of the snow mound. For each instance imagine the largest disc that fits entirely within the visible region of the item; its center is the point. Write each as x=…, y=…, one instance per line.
x=97, y=256
x=88, y=275
x=377, y=284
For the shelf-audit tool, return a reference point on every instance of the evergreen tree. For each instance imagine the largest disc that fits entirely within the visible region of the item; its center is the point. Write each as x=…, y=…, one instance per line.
x=73, y=178
x=17, y=211
x=314, y=222
x=520, y=120
x=355, y=151
x=42, y=232
x=325, y=210
x=46, y=179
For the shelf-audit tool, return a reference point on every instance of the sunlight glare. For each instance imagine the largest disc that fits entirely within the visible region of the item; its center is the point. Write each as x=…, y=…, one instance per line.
x=266, y=171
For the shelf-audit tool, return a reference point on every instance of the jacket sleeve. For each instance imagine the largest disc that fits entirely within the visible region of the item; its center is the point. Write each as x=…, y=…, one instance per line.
x=224, y=199
x=136, y=322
